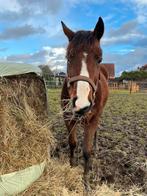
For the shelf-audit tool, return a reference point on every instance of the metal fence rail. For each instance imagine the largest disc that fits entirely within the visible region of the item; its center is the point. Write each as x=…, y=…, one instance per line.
x=54, y=82
x=142, y=86
x=134, y=86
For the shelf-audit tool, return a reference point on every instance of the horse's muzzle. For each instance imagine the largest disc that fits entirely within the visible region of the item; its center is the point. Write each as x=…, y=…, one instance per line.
x=78, y=112
x=82, y=111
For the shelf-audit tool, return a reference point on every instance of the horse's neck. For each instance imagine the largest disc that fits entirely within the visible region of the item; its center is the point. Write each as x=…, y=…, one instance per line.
x=104, y=71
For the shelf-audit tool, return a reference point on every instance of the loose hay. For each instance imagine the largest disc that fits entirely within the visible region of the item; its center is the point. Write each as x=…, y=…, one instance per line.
x=61, y=180
x=25, y=138
x=58, y=179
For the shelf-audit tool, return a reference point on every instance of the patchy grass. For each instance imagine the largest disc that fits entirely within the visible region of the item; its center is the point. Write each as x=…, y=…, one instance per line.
x=54, y=101
x=121, y=156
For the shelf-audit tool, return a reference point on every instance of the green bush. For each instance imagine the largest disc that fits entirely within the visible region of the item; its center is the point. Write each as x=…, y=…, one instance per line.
x=133, y=75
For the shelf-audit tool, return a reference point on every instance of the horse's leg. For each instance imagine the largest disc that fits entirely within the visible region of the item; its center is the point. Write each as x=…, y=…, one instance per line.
x=72, y=144
x=72, y=140
x=95, y=137
x=89, y=134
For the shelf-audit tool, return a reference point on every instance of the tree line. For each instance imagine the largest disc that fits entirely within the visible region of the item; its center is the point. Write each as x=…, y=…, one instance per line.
x=133, y=75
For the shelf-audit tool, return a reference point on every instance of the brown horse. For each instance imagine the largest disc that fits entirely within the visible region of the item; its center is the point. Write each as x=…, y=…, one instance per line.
x=85, y=86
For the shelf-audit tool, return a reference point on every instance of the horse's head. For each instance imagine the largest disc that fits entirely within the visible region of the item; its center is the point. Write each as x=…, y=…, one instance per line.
x=83, y=57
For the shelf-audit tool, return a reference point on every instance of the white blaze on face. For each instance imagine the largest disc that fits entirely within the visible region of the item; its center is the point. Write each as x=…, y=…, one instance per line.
x=83, y=87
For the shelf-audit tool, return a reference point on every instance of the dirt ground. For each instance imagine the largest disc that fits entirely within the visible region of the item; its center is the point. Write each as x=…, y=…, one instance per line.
x=121, y=155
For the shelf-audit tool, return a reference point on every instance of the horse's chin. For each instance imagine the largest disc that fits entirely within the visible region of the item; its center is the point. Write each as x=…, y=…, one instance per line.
x=76, y=115
x=81, y=112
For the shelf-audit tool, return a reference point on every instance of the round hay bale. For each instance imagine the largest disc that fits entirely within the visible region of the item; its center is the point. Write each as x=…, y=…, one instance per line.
x=25, y=138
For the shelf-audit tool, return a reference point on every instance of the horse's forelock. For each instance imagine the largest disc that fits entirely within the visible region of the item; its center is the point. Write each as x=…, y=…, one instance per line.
x=82, y=40
x=83, y=37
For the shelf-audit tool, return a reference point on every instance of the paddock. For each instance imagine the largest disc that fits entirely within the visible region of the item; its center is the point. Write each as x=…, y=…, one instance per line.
x=119, y=164
x=120, y=159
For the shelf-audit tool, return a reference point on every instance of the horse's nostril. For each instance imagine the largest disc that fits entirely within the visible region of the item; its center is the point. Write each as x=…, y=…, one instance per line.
x=74, y=101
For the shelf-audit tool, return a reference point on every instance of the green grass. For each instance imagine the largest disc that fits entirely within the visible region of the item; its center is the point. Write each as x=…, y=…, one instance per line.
x=120, y=102
x=54, y=101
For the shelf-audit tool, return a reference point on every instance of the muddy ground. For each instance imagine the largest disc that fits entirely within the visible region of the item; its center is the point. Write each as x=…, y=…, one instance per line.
x=121, y=155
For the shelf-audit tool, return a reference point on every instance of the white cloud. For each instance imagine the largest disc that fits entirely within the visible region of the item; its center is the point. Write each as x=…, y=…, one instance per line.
x=19, y=32
x=59, y=51
x=140, y=7
x=9, y=5
x=130, y=38
x=128, y=33
x=38, y=7
x=54, y=57
x=141, y=2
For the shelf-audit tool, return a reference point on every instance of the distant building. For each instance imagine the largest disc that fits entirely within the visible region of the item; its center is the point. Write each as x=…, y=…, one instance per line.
x=61, y=74
x=110, y=67
x=143, y=68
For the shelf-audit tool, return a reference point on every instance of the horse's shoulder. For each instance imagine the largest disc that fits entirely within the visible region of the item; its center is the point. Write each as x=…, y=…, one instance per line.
x=104, y=71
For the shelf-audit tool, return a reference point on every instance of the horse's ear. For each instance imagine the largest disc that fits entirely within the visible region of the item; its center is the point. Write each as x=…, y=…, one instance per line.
x=69, y=33
x=99, y=29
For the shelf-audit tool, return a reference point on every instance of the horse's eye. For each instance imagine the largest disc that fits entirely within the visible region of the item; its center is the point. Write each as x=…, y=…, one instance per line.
x=70, y=58
x=98, y=59
x=70, y=55
x=68, y=61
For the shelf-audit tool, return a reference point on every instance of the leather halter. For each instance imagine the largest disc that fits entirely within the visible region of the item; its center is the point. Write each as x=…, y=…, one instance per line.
x=82, y=78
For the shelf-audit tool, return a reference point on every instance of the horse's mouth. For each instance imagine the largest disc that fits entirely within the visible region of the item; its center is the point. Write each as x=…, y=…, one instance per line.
x=81, y=112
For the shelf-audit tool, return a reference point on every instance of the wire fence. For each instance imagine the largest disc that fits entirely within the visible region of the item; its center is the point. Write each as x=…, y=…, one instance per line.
x=132, y=86
x=142, y=86
x=54, y=82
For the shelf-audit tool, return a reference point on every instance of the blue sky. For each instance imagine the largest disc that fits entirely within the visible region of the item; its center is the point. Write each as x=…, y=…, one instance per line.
x=30, y=30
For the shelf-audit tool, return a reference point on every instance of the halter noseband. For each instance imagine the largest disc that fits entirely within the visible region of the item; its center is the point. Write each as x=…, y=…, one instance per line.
x=82, y=78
